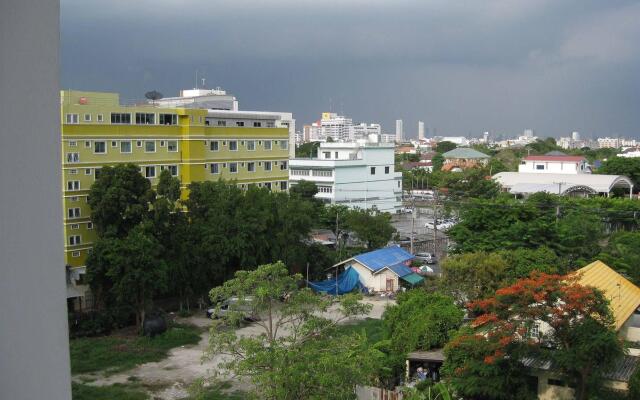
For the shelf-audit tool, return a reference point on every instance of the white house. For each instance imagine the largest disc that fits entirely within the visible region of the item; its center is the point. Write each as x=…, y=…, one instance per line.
x=383, y=270
x=555, y=164
x=357, y=174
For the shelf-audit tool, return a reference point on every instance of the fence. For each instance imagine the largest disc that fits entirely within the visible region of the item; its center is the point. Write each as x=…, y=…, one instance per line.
x=374, y=393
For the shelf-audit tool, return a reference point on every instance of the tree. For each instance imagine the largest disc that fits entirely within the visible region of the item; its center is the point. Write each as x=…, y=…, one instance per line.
x=119, y=200
x=444, y=146
x=622, y=253
x=522, y=262
x=472, y=276
x=575, y=334
x=131, y=269
x=419, y=321
x=300, y=353
x=307, y=150
x=629, y=167
x=372, y=227
x=168, y=186
x=437, y=161
x=305, y=189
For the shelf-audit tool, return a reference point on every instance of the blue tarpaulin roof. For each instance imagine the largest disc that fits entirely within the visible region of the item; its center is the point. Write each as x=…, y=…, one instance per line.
x=347, y=282
x=400, y=270
x=378, y=259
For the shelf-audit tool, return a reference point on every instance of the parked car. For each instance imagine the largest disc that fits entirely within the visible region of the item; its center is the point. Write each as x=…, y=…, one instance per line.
x=407, y=210
x=429, y=258
x=233, y=304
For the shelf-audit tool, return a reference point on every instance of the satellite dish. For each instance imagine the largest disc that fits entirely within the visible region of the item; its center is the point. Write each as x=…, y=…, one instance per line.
x=153, y=95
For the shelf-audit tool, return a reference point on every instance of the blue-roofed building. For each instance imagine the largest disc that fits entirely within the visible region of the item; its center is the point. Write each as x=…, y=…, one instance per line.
x=383, y=270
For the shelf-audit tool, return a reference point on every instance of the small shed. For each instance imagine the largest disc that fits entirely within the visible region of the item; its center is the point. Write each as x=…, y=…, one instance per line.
x=430, y=361
x=384, y=270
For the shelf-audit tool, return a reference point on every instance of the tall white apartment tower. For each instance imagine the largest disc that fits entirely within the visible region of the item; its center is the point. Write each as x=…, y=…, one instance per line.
x=575, y=135
x=420, y=130
x=399, y=132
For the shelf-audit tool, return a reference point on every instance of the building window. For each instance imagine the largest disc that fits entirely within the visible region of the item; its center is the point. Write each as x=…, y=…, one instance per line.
x=222, y=122
x=251, y=145
x=173, y=169
x=214, y=145
x=322, y=172
x=149, y=146
x=89, y=225
x=283, y=185
x=73, y=172
x=168, y=119
x=87, y=171
x=386, y=170
x=267, y=165
x=267, y=185
x=145, y=118
x=283, y=165
x=172, y=146
x=271, y=125
x=284, y=145
x=162, y=143
x=96, y=172
x=72, y=118
x=100, y=118
x=73, y=212
x=300, y=172
x=75, y=254
x=120, y=118
x=540, y=166
x=373, y=170
x=73, y=157
x=74, y=226
x=125, y=146
x=251, y=166
x=267, y=144
x=215, y=168
x=87, y=144
x=327, y=154
x=239, y=123
x=74, y=240
x=233, y=167
x=233, y=145
x=100, y=147
x=325, y=189
x=257, y=124
x=150, y=171
x=114, y=143
x=73, y=185
x=73, y=198
x=73, y=143
x=87, y=118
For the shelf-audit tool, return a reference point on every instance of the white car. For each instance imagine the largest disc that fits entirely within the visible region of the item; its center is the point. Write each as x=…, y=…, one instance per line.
x=429, y=258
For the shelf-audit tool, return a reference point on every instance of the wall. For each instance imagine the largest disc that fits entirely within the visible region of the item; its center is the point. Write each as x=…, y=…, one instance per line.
x=34, y=346
x=553, y=167
x=375, y=282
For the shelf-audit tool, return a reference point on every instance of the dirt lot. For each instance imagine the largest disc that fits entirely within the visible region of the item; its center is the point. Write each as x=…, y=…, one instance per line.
x=185, y=364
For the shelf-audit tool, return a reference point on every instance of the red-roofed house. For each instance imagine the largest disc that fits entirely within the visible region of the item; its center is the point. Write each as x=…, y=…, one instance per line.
x=555, y=164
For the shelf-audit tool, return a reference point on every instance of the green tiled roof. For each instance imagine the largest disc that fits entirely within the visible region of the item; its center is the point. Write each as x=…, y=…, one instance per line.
x=464, y=152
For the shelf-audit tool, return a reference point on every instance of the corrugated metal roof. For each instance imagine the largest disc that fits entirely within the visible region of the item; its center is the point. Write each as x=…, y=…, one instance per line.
x=599, y=183
x=433, y=355
x=621, y=371
x=623, y=295
x=412, y=278
x=401, y=270
x=381, y=258
x=464, y=152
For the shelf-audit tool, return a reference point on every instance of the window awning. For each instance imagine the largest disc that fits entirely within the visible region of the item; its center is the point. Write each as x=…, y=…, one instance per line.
x=413, y=278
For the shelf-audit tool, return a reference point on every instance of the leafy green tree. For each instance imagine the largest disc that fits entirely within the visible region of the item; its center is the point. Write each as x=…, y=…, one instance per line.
x=543, y=146
x=472, y=183
x=301, y=353
x=307, y=150
x=579, y=235
x=372, y=227
x=444, y=146
x=622, y=253
x=629, y=167
x=132, y=269
x=119, y=200
x=304, y=189
x=522, y=262
x=437, y=161
x=472, y=276
x=419, y=321
x=168, y=186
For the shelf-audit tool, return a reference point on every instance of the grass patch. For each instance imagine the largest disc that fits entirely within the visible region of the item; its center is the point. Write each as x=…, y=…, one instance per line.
x=216, y=392
x=119, y=353
x=372, y=327
x=116, y=391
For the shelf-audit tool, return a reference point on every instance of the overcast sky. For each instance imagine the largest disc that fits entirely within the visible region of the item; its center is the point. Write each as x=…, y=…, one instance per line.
x=463, y=67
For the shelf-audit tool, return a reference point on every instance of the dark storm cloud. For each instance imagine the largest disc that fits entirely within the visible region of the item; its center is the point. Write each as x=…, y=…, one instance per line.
x=462, y=67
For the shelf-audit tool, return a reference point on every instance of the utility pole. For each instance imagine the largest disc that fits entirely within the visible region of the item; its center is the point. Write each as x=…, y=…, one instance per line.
x=307, y=274
x=435, y=221
x=413, y=220
x=559, y=194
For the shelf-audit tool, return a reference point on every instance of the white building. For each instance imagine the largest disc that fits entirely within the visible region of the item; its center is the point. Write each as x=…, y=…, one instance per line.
x=420, y=130
x=575, y=135
x=339, y=128
x=214, y=99
x=555, y=165
x=608, y=142
x=357, y=174
x=387, y=138
x=458, y=140
x=363, y=130
x=399, y=131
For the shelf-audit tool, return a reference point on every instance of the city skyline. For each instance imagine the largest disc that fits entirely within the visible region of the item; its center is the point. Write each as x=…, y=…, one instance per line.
x=497, y=71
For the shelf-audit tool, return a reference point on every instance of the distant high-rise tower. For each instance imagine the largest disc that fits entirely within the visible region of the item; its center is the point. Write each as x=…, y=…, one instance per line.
x=485, y=137
x=420, y=130
x=529, y=133
x=399, y=132
x=575, y=135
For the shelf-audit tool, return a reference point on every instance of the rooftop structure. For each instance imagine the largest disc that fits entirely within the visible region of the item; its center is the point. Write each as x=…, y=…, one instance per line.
x=555, y=164
x=462, y=158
